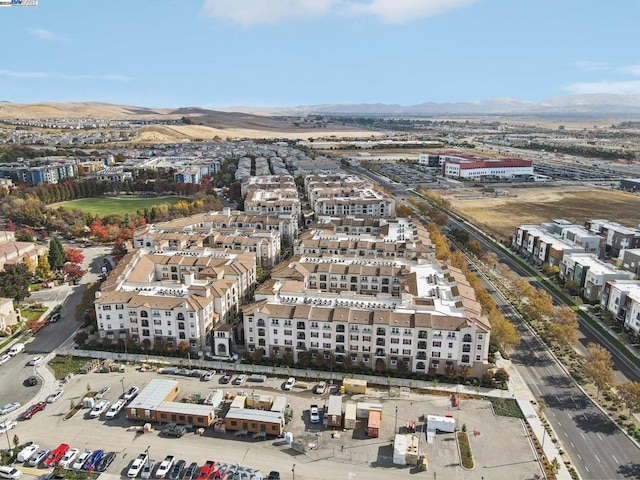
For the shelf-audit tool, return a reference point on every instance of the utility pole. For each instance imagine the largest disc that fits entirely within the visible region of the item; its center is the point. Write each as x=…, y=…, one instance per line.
x=293, y=471
x=395, y=428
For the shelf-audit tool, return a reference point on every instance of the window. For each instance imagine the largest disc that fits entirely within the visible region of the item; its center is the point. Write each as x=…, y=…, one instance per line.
x=465, y=358
x=406, y=341
x=467, y=338
x=380, y=331
x=478, y=358
x=288, y=333
x=366, y=338
x=450, y=344
x=437, y=344
x=365, y=358
x=435, y=354
x=395, y=340
x=466, y=348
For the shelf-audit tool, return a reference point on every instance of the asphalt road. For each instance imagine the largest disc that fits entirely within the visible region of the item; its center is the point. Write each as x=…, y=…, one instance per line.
x=12, y=377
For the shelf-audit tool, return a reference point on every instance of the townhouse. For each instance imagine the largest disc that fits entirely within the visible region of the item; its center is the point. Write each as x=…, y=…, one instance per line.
x=176, y=298
x=589, y=274
x=622, y=299
x=616, y=237
x=382, y=314
x=13, y=252
x=629, y=260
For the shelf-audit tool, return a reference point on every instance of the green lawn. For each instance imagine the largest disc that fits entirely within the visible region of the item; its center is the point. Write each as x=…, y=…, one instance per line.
x=63, y=365
x=32, y=314
x=105, y=206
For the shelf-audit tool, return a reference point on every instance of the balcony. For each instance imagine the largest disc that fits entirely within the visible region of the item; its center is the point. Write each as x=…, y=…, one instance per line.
x=301, y=336
x=421, y=356
x=261, y=323
x=380, y=352
x=301, y=346
x=340, y=328
x=380, y=342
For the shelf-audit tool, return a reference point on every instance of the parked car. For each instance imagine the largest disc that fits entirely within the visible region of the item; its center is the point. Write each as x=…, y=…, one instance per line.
x=173, y=430
x=37, y=457
x=36, y=360
x=33, y=409
x=7, y=425
x=176, y=470
x=56, y=455
x=92, y=462
x=239, y=380
x=165, y=466
x=32, y=381
x=101, y=393
x=206, y=472
x=131, y=393
x=321, y=388
x=77, y=465
x=147, y=469
x=289, y=383
x=16, y=349
x=207, y=376
x=54, y=318
x=226, y=378
x=9, y=472
x=26, y=452
x=314, y=414
x=4, y=359
x=68, y=457
x=99, y=408
x=106, y=460
x=137, y=465
x=55, y=396
x=273, y=475
x=190, y=472
x=9, y=407
x=115, y=409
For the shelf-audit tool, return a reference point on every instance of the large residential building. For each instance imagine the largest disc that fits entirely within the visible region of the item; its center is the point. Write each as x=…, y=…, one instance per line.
x=268, y=182
x=13, y=252
x=617, y=237
x=376, y=237
x=187, y=232
x=176, y=297
x=58, y=170
x=589, y=274
x=380, y=313
x=622, y=299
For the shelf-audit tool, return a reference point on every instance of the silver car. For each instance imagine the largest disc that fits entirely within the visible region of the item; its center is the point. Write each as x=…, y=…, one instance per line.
x=9, y=407
x=38, y=457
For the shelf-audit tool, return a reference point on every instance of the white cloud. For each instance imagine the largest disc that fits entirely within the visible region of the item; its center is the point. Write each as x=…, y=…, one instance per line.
x=63, y=76
x=605, y=86
x=251, y=12
x=48, y=35
x=630, y=69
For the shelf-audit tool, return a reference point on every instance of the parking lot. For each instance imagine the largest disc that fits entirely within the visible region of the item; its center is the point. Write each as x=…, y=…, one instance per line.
x=501, y=448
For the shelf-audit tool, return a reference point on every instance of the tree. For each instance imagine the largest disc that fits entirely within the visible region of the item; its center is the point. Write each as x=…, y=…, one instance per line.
x=629, y=393
x=501, y=375
x=476, y=248
x=15, y=281
x=599, y=367
x=563, y=329
x=43, y=270
x=25, y=235
x=74, y=255
x=539, y=305
x=30, y=265
x=73, y=271
x=56, y=254
x=503, y=332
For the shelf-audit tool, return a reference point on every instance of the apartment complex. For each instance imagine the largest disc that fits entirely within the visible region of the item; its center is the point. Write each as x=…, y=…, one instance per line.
x=13, y=252
x=341, y=194
x=383, y=314
x=176, y=298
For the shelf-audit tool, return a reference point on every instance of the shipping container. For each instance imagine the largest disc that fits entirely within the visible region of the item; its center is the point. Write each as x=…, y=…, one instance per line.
x=373, y=425
x=350, y=416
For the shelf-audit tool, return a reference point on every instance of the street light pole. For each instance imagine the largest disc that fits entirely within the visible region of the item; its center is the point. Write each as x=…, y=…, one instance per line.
x=293, y=471
x=395, y=428
x=122, y=383
x=7, y=434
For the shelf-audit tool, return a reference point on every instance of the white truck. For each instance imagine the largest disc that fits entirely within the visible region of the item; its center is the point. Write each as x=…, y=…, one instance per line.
x=99, y=408
x=115, y=409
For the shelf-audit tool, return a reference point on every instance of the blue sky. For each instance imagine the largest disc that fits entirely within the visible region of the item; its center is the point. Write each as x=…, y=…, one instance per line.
x=171, y=53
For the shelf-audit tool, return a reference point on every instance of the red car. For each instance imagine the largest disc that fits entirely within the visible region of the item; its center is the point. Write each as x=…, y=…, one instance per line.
x=226, y=378
x=206, y=472
x=56, y=455
x=33, y=409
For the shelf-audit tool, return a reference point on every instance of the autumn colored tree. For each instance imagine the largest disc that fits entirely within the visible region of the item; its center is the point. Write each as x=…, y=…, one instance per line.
x=629, y=393
x=539, y=305
x=73, y=271
x=74, y=255
x=98, y=230
x=43, y=269
x=31, y=267
x=598, y=367
x=403, y=211
x=503, y=332
x=10, y=226
x=563, y=327
x=476, y=248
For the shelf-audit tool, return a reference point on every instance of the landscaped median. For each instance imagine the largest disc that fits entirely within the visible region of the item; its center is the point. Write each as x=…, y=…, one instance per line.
x=464, y=448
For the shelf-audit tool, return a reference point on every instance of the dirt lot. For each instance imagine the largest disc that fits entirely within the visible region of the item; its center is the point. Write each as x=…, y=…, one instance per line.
x=501, y=215
x=501, y=449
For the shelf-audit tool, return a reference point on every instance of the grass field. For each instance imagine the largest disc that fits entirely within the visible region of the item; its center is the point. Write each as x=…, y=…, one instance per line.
x=105, y=206
x=501, y=215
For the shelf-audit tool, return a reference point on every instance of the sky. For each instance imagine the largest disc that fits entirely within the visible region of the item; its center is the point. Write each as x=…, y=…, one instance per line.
x=220, y=53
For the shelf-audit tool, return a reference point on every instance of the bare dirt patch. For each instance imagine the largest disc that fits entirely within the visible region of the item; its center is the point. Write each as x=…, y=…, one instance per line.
x=501, y=215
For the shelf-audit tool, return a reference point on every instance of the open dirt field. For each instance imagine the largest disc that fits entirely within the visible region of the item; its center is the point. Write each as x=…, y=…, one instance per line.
x=501, y=215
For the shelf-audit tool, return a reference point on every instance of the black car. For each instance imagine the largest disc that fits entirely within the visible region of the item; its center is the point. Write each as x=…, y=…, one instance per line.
x=106, y=460
x=273, y=475
x=176, y=470
x=32, y=380
x=191, y=471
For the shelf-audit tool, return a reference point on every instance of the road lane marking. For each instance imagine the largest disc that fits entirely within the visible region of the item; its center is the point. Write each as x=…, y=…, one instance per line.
x=615, y=459
x=599, y=437
x=583, y=437
x=579, y=457
x=566, y=434
x=569, y=415
x=573, y=445
x=586, y=468
x=596, y=457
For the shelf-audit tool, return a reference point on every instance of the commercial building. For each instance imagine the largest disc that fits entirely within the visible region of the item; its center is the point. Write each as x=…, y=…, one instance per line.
x=630, y=184
x=383, y=314
x=175, y=298
x=465, y=167
x=156, y=403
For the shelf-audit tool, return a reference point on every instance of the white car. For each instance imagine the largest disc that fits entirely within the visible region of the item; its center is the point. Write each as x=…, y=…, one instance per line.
x=68, y=458
x=102, y=392
x=99, y=408
x=239, y=380
x=55, y=396
x=77, y=465
x=7, y=425
x=137, y=465
x=9, y=407
x=4, y=359
x=36, y=360
x=321, y=388
x=115, y=409
x=10, y=472
x=26, y=452
x=165, y=466
x=314, y=414
x=147, y=469
x=290, y=383
x=131, y=393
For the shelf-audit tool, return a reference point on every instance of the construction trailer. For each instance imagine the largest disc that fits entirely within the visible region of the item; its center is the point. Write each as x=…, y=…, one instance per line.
x=334, y=412
x=363, y=409
x=254, y=421
x=400, y=450
x=350, y=416
x=436, y=424
x=354, y=385
x=279, y=404
x=240, y=401
x=373, y=424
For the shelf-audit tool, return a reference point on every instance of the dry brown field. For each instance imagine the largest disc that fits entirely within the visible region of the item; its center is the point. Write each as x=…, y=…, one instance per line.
x=501, y=215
